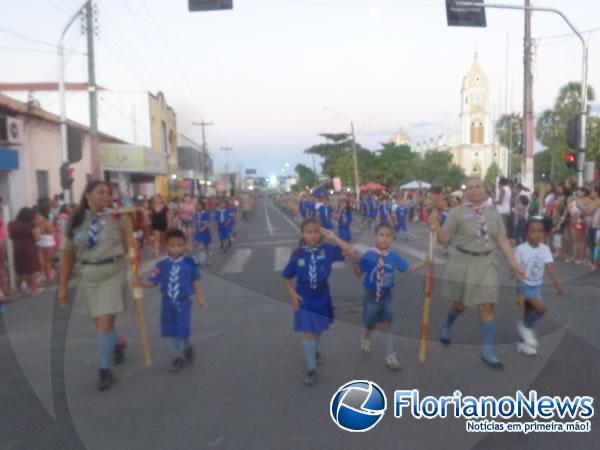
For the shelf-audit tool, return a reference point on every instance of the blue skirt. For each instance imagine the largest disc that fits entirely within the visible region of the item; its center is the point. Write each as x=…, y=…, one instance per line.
x=315, y=313
x=175, y=319
x=223, y=232
x=203, y=238
x=344, y=233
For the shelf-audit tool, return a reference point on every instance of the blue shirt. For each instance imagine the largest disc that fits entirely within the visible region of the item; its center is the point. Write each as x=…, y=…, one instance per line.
x=345, y=219
x=175, y=277
x=325, y=212
x=383, y=212
x=401, y=212
x=222, y=216
x=202, y=219
x=392, y=261
x=297, y=266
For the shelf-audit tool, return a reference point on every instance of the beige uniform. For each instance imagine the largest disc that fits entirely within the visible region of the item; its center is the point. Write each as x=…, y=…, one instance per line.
x=102, y=289
x=472, y=279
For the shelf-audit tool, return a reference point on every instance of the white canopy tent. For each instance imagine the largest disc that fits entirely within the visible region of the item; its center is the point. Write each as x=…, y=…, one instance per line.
x=416, y=185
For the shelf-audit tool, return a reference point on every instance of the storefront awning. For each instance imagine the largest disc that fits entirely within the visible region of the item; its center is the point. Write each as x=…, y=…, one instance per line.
x=132, y=159
x=9, y=159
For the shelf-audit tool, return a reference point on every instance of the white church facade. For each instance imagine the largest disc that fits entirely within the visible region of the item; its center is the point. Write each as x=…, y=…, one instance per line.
x=476, y=147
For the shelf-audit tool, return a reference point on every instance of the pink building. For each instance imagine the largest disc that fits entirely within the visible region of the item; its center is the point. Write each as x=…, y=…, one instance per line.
x=30, y=155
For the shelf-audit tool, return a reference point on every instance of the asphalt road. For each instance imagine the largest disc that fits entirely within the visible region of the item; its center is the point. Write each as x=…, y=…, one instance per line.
x=245, y=389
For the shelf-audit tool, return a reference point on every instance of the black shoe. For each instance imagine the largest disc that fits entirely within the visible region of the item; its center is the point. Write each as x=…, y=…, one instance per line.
x=106, y=379
x=119, y=357
x=311, y=377
x=319, y=359
x=176, y=365
x=189, y=355
x=496, y=364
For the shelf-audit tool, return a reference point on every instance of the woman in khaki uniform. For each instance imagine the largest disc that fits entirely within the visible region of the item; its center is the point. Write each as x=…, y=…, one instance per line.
x=471, y=279
x=95, y=246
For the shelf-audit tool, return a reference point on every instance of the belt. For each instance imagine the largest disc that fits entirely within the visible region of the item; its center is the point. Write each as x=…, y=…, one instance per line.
x=319, y=287
x=99, y=262
x=467, y=252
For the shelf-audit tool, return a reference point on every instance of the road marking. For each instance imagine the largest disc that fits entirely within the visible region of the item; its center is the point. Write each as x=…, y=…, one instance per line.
x=287, y=218
x=269, y=226
x=238, y=261
x=362, y=248
x=287, y=241
x=266, y=235
x=282, y=256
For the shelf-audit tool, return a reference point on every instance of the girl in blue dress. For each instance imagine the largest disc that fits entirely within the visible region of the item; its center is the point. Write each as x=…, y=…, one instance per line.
x=311, y=265
x=373, y=208
x=203, y=235
x=384, y=211
x=401, y=219
x=222, y=217
x=344, y=221
x=325, y=212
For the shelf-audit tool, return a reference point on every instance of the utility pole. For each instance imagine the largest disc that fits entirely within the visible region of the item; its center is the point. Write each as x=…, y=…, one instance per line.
x=204, y=124
x=355, y=162
x=95, y=151
x=528, y=131
x=227, y=150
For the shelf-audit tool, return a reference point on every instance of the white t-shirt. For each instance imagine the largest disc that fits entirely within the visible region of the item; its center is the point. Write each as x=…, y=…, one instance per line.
x=504, y=207
x=533, y=260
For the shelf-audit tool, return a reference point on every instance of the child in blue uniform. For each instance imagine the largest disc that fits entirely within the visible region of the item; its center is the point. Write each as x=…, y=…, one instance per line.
x=378, y=265
x=203, y=235
x=179, y=279
x=373, y=208
x=232, y=210
x=344, y=221
x=311, y=266
x=536, y=258
x=325, y=212
x=222, y=218
x=364, y=209
x=401, y=219
x=384, y=212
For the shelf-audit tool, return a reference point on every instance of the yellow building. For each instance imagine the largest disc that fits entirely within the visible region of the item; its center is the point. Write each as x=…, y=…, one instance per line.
x=163, y=128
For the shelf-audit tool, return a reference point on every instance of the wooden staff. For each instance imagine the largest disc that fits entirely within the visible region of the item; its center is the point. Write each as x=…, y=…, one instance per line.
x=424, y=341
x=138, y=291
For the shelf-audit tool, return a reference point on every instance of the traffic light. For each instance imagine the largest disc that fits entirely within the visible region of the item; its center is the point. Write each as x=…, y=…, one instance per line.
x=571, y=160
x=66, y=176
x=574, y=133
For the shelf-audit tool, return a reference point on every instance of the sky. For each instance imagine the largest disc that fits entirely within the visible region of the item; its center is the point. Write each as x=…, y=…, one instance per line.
x=264, y=72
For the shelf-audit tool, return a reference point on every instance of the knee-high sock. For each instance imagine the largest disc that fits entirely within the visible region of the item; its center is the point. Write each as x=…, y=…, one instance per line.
x=488, y=329
x=176, y=348
x=317, y=341
x=107, y=349
x=389, y=342
x=310, y=353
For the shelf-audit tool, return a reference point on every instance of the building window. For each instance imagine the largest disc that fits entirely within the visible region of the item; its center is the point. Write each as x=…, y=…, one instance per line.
x=41, y=177
x=477, y=133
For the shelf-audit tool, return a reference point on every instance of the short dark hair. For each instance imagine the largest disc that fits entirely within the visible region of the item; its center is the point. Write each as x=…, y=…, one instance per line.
x=383, y=225
x=533, y=220
x=174, y=233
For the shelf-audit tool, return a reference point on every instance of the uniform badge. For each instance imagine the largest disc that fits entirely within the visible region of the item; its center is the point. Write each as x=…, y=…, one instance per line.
x=78, y=236
x=301, y=262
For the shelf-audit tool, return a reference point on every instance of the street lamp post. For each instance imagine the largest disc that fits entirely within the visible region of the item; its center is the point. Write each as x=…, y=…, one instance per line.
x=354, y=154
x=227, y=150
x=64, y=155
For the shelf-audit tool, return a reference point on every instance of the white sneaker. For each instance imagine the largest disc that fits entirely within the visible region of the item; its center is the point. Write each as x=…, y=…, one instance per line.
x=526, y=349
x=392, y=361
x=365, y=344
x=527, y=334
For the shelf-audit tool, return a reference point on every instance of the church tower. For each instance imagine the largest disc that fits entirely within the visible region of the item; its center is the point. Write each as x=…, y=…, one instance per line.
x=475, y=107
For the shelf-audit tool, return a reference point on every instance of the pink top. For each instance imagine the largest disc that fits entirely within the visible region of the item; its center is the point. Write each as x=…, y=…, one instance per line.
x=2, y=230
x=186, y=211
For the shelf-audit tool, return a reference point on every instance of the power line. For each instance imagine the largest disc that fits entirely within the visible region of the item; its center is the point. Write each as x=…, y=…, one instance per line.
x=565, y=35
x=34, y=50
x=362, y=6
x=24, y=37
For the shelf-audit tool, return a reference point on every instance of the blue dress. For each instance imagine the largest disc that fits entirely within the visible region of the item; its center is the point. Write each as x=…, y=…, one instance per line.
x=383, y=213
x=176, y=280
x=201, y=219
x=401, y=214
x=222, y=218
x=373, y=207
x=315, y=313
x=344, y=226
x=325, y=216
x=232, y=211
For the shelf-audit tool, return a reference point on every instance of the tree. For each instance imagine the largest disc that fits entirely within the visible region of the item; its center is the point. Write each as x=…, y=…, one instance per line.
x=337, y=144
x=492, y=173
x=436, y=167
x=509, y=130
x=393, y=163
x=343, y=167
x=548, y=132
x=306, y=176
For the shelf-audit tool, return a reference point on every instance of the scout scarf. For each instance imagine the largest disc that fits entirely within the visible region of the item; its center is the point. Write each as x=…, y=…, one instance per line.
x=478, y=209
x=93, y=230
x=312, y=265
x=379, y=271
x=173, y=284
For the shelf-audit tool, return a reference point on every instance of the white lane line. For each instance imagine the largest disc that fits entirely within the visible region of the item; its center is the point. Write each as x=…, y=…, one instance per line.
x=403, y=248
x=286, y=218
x=282, y=256
x=266, y=235
x=287, y=241
x=269, y=226
x=238, y=261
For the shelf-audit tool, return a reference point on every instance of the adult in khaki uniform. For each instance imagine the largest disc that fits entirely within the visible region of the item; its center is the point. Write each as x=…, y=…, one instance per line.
x=477, y=230
x=95, y=246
